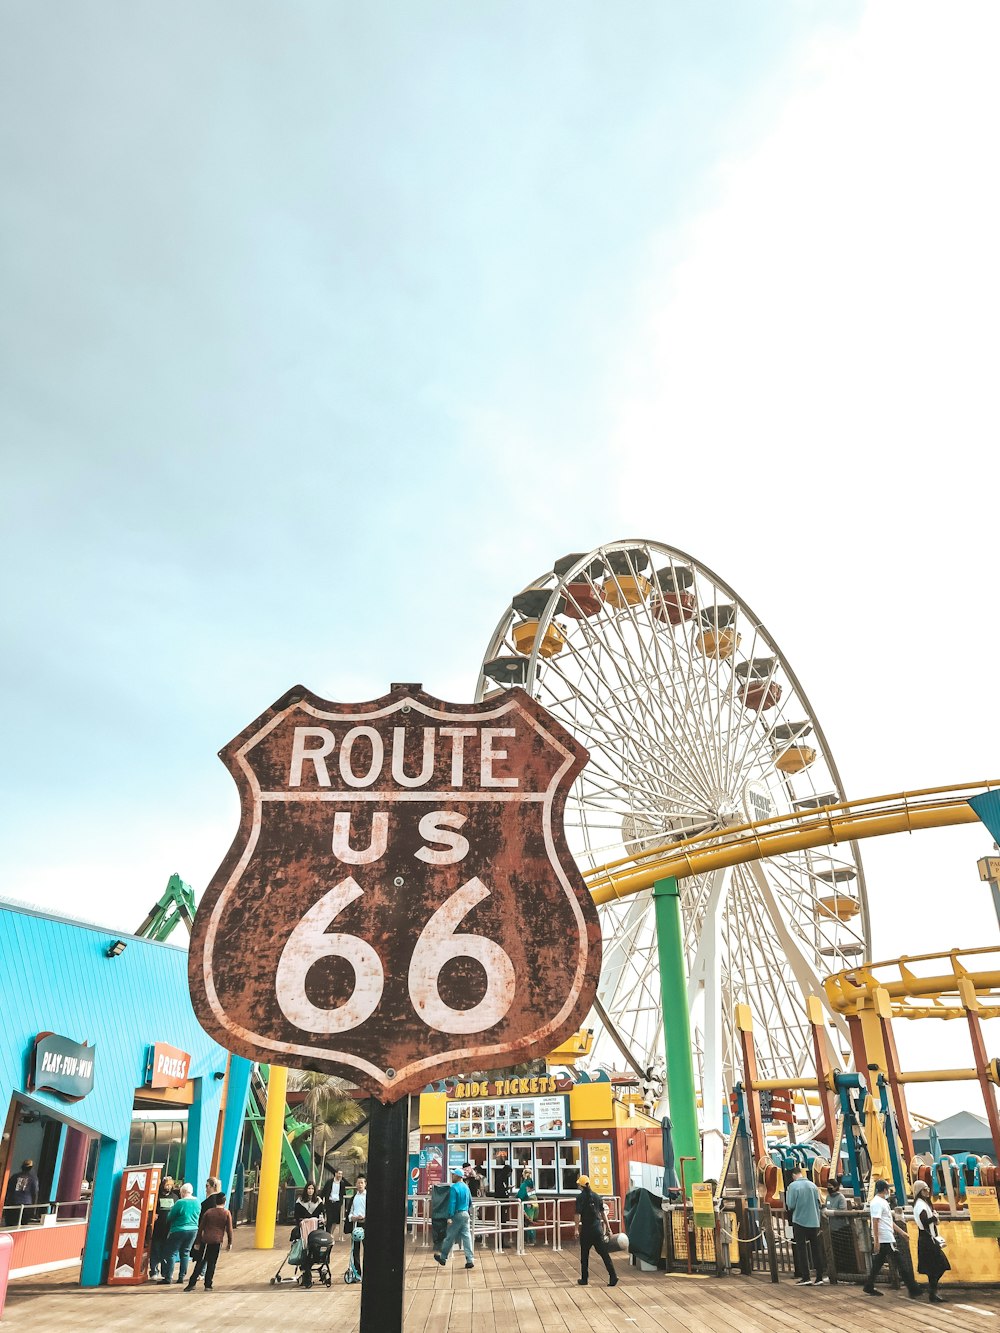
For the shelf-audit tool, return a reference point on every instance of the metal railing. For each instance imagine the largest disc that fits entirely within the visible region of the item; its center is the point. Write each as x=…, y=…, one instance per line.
x=502, y=1222
x=19, y=1215
x=766, y=1245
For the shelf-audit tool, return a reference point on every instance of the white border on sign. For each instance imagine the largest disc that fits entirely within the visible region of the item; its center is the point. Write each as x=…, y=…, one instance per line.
x=546, y=798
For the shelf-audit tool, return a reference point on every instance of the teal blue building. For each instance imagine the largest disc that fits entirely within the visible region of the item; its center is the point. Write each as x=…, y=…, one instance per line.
x=94, y=1023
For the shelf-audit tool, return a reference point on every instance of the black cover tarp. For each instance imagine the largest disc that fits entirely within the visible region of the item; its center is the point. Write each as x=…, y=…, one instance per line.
x=644, y=1225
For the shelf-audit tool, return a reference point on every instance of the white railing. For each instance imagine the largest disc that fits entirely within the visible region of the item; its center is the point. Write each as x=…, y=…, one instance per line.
x=19, y=1215
x=502, y=1221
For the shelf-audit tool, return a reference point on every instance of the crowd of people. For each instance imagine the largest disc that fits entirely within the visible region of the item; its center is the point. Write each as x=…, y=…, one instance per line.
x=187, y=1232
x=468, y=1183
x=804, y=1205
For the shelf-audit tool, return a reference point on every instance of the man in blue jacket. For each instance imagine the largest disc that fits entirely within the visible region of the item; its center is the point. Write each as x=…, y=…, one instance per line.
x=459, y=1220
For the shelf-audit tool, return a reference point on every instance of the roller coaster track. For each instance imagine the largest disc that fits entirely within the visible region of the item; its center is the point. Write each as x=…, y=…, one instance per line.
x=846, y=821
x=929, y=985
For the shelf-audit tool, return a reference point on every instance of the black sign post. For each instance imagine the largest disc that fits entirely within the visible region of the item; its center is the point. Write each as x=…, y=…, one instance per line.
x=385, y=1224
x=400, y=901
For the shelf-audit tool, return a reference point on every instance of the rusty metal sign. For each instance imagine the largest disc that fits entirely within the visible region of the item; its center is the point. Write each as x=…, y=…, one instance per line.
x=400, y=899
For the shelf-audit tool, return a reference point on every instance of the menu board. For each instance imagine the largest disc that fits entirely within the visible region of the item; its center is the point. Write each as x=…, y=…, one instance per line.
x=984, y=1210
x=599, y=1168
x=509, y=1118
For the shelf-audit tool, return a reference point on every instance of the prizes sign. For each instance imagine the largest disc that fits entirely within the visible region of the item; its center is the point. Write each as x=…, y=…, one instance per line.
x=400, y=898
x=167, y=1067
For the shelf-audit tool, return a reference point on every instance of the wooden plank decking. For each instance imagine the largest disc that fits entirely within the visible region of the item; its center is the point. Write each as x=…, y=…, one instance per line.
x=503, y=1294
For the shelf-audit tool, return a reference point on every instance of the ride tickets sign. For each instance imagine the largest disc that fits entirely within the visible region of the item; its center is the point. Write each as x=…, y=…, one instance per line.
x=61, y=1066
x=400, y=898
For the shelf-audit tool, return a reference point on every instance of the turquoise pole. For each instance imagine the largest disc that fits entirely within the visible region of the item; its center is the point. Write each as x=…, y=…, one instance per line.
x=677, y=1027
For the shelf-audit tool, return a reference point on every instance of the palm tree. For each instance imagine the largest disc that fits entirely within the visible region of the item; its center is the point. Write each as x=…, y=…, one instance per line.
x=326, y=1105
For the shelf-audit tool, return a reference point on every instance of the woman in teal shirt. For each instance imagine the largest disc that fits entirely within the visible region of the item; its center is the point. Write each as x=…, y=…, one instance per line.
x=183, y=1229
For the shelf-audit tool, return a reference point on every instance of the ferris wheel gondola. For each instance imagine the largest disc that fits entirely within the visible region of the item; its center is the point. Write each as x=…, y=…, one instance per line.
x=695, y=723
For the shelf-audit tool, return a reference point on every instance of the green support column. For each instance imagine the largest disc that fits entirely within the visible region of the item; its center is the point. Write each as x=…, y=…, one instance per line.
x=677, y=1027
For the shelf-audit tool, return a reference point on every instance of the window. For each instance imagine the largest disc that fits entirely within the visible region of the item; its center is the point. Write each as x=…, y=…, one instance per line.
x=478, y=1153
x=569, y=1166
x=499, y=1157
x=545, y=1168
x=522, y=1156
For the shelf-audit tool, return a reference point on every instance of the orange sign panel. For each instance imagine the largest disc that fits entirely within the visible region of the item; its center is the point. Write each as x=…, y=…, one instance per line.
x=168, y=1067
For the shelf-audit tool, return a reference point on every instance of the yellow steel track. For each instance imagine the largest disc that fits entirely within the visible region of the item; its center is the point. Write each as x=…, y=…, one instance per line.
x=846, y=821
x=929, y=985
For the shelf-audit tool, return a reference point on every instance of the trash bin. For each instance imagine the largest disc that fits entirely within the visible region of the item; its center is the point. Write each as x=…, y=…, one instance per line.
x=6, y=1252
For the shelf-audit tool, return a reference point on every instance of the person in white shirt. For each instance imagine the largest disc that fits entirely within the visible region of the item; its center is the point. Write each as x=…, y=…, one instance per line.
x=884, y=1231
x=359, y=1206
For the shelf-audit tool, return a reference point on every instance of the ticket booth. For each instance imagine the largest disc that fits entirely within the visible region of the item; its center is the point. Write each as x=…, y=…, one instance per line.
x=559, y=1128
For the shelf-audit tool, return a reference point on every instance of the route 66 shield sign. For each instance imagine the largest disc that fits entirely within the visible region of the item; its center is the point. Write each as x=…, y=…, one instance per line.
x=400, y=899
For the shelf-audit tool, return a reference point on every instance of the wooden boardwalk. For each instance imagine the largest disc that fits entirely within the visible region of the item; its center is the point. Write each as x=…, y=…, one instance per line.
x=503, y=1294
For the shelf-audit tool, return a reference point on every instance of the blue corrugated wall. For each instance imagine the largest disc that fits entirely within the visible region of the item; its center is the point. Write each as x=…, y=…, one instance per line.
x=55, y=977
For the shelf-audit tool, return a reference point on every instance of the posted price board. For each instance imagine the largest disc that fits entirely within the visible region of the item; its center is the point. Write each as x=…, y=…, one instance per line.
x=521, y=1117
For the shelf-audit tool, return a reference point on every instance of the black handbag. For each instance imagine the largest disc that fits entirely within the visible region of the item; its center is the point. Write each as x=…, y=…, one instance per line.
x=198, y=1251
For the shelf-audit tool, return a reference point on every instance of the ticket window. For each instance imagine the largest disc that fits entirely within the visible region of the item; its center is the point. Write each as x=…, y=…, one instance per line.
x=569, y=1167
x=500, y=1155
x=478, y=1155
x=522, y=1157
x=546, y=1167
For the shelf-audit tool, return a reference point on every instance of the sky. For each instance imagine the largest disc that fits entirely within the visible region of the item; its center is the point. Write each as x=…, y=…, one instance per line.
x=325, y=328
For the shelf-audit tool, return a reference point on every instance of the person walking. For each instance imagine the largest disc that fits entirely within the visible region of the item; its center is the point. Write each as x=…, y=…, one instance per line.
x=213, y=1197
x=802, y=1199
x=214, y=1227
x=184, y=1217
x=166, y=1196
x=884, y=1230
x=591, y=1227
x=528, y=1195
x=931, y=1258
x=333, y=1199
x=356, y=1218
x=459, y=1218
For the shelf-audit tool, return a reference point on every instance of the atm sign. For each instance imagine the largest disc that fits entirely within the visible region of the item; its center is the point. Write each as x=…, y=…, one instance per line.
x=167, y=1067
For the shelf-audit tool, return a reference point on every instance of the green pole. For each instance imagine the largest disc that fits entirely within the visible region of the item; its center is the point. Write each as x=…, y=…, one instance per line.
x=677, y=1027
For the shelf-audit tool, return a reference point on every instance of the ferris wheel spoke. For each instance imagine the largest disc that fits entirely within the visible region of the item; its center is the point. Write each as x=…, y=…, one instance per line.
x=674, y=746
x=638, y=669
x=781, y=1035
x=802, y=968
x=655, y=774
x=691, y=712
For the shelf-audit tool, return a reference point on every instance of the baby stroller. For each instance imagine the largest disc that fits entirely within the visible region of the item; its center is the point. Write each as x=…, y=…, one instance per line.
x=316, y=1256
x=351, y=1273
x=312, y=1253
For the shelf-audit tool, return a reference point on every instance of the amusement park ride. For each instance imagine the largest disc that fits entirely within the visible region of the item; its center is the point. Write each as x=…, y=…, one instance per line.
x=712, y=827
x=713, y=830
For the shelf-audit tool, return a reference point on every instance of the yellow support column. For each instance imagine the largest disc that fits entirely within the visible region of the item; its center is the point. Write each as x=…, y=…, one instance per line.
x=270, y=1158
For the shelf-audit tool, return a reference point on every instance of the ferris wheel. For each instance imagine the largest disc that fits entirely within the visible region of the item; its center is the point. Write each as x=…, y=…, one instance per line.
x=695, y=723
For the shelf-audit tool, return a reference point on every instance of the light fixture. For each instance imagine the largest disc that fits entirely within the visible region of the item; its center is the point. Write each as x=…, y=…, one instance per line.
x=115, y=948
x=219, y=1074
